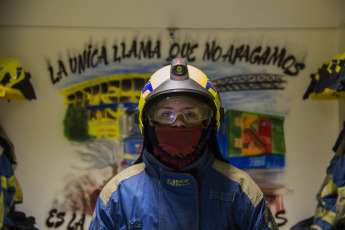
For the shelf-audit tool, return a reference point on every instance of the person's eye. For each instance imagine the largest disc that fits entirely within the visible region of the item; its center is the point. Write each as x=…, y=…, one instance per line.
x=165, y=115
x=190, y=115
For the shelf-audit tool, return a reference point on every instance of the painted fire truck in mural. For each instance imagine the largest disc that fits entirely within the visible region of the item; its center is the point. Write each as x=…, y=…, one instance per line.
x=106, y=100
x=103, y=108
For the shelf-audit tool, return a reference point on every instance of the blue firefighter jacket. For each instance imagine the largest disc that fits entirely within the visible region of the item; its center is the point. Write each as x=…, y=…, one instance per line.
x=331, y=196
x=208, y=194
x=7, y=189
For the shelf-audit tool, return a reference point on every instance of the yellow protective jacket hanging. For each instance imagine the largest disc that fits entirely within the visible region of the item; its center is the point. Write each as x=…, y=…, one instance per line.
x=330, y=211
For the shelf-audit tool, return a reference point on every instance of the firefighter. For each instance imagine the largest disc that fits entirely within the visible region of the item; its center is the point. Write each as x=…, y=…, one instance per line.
x=181, y=180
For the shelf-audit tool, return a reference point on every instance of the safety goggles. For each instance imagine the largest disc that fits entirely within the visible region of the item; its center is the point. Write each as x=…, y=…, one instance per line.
x=190, y=110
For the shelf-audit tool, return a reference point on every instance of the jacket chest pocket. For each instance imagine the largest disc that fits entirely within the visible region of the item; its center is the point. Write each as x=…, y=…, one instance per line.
x=222, y=196
x=136, y=224
x=222, y=206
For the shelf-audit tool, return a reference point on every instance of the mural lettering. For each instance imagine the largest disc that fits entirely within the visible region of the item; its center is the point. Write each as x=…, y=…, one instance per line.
x=56, y=219
x=257, y=55
x=89, y=58
x=62, y=71
x=137, y=50
x=280, y=219
x=92, y=57
x=185, y=51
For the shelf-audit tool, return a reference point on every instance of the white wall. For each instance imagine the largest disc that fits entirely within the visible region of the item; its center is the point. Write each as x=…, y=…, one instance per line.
x=341, y=30
x=203, y=14
x=34, y=29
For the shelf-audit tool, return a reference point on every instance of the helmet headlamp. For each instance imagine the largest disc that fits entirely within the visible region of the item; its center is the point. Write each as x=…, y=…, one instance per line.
x=179, y=70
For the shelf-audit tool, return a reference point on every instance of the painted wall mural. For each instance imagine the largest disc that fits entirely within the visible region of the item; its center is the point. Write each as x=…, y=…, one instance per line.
x=101, y=86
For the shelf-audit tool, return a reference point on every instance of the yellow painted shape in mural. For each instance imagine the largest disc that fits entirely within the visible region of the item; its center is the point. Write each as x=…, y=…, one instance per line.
x=110, y=90
x=130, y=156
x=249, y=147
x=106, y=124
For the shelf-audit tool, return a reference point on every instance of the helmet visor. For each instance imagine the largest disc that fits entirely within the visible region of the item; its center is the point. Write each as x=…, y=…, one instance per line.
x=191, y=110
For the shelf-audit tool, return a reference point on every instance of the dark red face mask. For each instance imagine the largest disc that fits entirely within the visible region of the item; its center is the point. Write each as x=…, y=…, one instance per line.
x=179, y=144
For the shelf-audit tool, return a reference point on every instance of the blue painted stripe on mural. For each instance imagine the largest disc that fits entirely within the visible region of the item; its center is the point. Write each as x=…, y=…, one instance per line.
x=210, y=85
x=128, y=105
x=148, y=86
x=262, y=161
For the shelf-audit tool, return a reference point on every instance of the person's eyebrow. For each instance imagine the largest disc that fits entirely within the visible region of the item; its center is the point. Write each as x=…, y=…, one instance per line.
x=165, y=107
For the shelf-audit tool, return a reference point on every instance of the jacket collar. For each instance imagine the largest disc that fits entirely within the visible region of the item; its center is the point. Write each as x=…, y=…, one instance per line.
x=155, y=168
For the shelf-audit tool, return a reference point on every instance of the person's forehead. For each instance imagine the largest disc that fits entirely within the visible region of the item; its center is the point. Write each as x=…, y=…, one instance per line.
x=179, y=101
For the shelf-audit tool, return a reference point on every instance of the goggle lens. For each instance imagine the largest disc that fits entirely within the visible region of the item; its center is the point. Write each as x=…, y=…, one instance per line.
x=168, y=110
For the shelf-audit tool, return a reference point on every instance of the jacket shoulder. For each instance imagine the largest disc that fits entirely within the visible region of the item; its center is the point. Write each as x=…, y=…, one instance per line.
x=127, y=173
x=248, y=186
